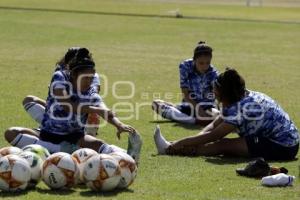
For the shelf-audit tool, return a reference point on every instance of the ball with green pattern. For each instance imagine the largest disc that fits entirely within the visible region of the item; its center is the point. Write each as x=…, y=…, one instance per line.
x=37, y=149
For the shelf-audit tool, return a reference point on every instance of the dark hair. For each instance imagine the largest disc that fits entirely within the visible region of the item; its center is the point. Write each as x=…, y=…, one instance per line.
x=202, y=49
x=231, y=85
x=81, y=61
x=70, y=54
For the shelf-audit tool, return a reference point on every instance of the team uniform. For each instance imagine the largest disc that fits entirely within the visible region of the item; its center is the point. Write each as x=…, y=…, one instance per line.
x=200, y=86
x=267, y=128
x=96, y=78
x=58, y=125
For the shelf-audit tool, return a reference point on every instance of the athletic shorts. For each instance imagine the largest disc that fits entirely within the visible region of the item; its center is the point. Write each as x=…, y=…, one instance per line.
x=264, y=147
x=188, y=109
x=57, y=139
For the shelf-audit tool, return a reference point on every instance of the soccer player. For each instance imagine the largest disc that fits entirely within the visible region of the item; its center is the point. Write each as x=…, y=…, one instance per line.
x=67, y=107
x=35, y=106
x=196, y=82
x=264, y=128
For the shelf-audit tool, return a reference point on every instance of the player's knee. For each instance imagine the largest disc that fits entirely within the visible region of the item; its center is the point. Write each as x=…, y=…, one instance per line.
x=28, y=99
x=11, y=133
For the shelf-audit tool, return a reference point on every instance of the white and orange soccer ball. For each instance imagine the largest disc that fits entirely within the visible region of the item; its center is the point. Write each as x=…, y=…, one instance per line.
x=9, y=150
x=14, y=173
x=128, y=169
x=81, y=156
x=60, y=171
x=102, y=173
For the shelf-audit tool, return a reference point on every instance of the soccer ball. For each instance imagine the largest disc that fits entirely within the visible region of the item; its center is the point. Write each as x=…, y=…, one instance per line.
x=60, y=171
x=35, y=163
x=128, y=169
x=101, y=173
x=9, y=150
x=14, y=173
x=37, y=149
x=81, y=156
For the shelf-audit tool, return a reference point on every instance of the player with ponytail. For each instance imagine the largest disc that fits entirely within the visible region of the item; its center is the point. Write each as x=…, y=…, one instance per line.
x=196, y=82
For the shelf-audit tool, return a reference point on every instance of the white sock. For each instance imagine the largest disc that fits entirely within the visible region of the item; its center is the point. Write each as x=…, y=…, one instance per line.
x=107, y=149
x=35, y=110
x=278, y=180
x=161, y=143
x=23, y=140
x=52, y=148
x=172, y=113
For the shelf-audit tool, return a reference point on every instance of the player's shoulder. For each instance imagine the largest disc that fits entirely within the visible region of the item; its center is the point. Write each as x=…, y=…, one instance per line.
x=186, y=64
x=60, y=75
x=213, y=70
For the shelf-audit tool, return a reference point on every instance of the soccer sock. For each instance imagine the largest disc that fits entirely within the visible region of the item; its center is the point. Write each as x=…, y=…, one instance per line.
x=106, y=149
x=172, y=113
x=23, y=140
x=161, y=143
x=35, y=110
x=52, y=148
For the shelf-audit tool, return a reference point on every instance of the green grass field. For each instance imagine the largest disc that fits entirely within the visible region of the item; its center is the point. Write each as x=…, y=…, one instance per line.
x=263, y=43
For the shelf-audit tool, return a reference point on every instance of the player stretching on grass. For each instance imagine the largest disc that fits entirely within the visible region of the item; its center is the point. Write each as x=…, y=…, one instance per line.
x=196, y=82
x=62, y=127
x=264, y=129
x=35, y=106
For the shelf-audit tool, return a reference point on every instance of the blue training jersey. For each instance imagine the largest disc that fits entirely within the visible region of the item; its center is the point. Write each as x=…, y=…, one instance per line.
x=259, y=115
x=96, y=78
x=200, y=86
x=56, y=120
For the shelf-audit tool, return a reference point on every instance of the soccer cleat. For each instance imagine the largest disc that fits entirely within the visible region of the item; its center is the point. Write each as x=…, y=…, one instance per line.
x=134, y=146
x=256, y=168
x=68, y=147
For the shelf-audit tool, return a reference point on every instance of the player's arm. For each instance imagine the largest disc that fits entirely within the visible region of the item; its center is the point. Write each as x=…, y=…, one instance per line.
x=111, y=118
x=211, y=134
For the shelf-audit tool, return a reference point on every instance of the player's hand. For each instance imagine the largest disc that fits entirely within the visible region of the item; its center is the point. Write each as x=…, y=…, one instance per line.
x=124, y=128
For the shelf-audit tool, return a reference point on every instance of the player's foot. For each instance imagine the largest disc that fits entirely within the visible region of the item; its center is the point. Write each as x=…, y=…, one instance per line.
x=161, y=143
x=134, y=146
x=68, y=147
x=161, y=108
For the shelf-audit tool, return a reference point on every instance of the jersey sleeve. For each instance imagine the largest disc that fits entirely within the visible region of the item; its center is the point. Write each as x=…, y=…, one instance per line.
x=96, y=80
x=96, y=99
x=59, y=81
x=183, y=72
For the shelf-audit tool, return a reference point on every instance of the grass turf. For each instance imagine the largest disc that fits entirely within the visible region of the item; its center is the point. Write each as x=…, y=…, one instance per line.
x=147, y=51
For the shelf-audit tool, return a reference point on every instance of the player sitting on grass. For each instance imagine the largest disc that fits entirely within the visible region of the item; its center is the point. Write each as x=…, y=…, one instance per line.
x=35, y=106
x=62, y=127
x=264, y=128
x=196, y=81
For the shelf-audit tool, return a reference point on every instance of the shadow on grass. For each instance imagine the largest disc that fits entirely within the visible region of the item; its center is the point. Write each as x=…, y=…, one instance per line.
x=90, y=193
x=176, y=124
x=225, y=160
x=4, y=194
x=55, y=192
x=160, y=122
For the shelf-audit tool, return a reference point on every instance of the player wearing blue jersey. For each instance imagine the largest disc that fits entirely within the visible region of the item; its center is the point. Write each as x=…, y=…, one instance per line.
x=196, y=82
x=264, y=128
x=67, y=108
x=35, y=106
